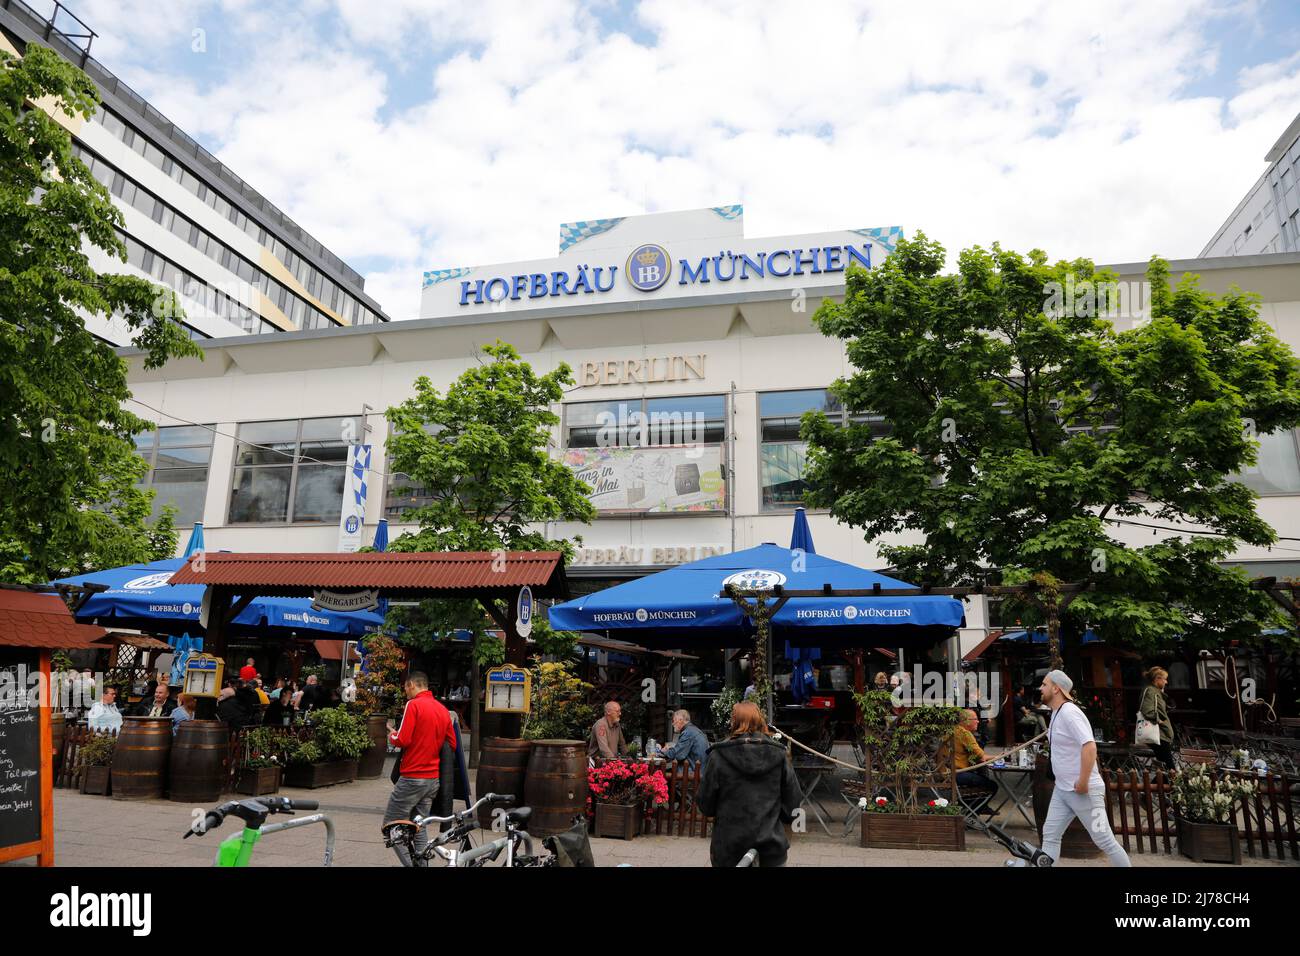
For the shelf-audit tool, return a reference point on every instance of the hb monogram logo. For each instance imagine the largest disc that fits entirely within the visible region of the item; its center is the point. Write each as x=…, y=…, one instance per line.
x=648, y=267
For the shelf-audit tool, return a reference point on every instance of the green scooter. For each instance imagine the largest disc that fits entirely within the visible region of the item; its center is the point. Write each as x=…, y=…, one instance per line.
x=237, y=850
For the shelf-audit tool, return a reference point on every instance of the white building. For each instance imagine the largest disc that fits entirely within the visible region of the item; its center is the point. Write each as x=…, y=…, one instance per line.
x=1268, y=218
x=239, y=264
x=738, y=350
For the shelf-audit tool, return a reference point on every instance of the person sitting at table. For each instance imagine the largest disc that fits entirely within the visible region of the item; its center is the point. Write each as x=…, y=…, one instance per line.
x=965, y=753
x=691, y=744
x=606, y=737
x=185, y=706
x=159, y=705
x=881, y=682
x=1025, y=717
x=104, y=715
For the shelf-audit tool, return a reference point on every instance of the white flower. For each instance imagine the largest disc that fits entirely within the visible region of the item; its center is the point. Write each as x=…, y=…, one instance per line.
x=940, y=802
x=862, y=803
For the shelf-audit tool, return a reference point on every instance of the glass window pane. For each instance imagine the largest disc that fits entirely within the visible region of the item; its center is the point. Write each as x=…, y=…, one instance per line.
x=1278, y=470
x=180, y=457
x=585, y=413
x=186, y=488
x=781, y=470
x=710, y=406
x=794, y=404
x=261, y=495
x=174, y=435
x=344, y=428
x=319, y=494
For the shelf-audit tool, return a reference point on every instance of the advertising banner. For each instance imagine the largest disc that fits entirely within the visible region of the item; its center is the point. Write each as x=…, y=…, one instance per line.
x=652, y=480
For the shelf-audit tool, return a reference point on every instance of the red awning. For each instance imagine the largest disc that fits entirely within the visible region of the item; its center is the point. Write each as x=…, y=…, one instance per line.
x=982, y=646
x=419, y=574
x=33, y=619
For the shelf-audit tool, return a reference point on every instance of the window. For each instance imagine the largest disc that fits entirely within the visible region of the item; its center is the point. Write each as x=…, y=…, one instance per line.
x=1278, y=469
x=291, y=471
x=783, y=455
x=178, y=458
x=653, y=422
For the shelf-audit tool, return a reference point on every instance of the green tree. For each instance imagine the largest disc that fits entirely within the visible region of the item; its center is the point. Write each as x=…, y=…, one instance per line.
x=481, y=453
x=67, y=462
x=1024, y=426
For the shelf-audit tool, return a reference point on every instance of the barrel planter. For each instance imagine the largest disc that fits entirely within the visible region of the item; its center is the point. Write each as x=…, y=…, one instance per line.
x=310, y=776
x=1076, y=844
x=140, y=760
x=914, y=831
x=502, y=768
x=371, y=764
x=199, y=761
x=556, y=785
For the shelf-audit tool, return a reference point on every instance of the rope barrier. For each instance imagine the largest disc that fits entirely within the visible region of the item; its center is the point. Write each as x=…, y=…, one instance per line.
x=849, y=766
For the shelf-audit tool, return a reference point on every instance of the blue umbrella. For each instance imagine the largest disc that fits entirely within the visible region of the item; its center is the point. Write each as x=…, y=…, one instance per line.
x=685, y=606
x=1039, y=636
x=802, y=681
x=183, y=645
x=381, y=535
x=140, y=598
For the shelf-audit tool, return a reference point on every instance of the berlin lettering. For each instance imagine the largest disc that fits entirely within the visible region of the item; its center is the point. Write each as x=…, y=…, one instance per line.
x=724, y=267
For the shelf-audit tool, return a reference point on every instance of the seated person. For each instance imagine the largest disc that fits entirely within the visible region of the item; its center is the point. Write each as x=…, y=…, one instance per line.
x=967, y=753
x=159, y=705
x=691, y=743
x=1026, y=717
x=606, y=737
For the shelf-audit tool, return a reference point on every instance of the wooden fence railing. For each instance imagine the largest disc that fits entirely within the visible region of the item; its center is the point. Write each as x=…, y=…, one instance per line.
x=682, y=816
x=1143, y=817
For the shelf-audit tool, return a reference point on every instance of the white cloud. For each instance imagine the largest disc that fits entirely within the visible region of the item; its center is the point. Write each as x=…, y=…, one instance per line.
x=1043, y=124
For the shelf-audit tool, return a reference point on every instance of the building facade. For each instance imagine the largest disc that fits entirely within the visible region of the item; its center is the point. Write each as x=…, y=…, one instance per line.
x=684, y=416
x=1268, y=218
x=239, y=264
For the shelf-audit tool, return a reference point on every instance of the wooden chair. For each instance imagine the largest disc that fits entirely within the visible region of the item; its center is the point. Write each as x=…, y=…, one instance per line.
x=1189, y=757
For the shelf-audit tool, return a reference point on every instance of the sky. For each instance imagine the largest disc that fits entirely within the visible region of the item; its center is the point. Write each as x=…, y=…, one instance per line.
x=409, y=135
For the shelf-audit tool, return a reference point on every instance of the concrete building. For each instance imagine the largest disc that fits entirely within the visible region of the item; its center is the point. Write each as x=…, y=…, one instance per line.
x=720, y=337
x=1268, y=218
x=240, y=265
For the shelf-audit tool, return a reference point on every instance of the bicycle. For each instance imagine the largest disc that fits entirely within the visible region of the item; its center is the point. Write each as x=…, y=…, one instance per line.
x=237, y=850
x=455, y=848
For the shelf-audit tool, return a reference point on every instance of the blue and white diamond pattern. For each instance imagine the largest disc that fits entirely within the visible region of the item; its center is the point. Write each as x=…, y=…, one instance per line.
x=572, y=233
x=434, y=276
x=360, y=469
x=887, y=236
x=730, y=212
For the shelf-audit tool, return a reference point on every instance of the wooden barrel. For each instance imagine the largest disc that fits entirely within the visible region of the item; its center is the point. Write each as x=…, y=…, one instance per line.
x=556, y=785
x=502, y=768
x=58, y=732
x=198, y=761
x=140, y=760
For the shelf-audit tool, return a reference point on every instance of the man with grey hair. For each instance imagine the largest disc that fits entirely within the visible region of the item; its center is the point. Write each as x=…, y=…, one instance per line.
x=606, y=737
x=1079, y=791
x=691, y=744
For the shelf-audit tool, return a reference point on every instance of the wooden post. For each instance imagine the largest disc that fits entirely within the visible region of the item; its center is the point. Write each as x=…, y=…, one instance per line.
x=475, y=710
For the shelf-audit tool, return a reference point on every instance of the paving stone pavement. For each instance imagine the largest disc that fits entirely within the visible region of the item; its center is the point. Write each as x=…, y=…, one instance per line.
x=101, y=831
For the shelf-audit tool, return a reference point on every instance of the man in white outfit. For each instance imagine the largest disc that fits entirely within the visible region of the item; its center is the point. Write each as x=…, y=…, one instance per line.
x=1079, y=791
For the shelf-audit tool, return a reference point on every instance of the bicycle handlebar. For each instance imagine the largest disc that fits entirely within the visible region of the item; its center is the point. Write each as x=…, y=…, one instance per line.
x=251, y=811
x=467, y=813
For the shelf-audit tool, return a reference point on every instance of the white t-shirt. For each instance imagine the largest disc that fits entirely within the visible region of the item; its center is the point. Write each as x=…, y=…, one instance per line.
x=1067, y=734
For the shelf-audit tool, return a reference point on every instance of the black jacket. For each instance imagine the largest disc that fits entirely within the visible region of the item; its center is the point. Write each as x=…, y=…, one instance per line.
x=750, y=790
x=142, y=708
x=244, y=709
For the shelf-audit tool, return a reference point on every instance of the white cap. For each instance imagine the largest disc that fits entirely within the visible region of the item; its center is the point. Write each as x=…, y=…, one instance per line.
x=1061, y=680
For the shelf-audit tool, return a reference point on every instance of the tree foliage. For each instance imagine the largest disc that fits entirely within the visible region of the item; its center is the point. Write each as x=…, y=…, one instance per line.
x=481, y=453
x=1025, y=427
x=67, y=462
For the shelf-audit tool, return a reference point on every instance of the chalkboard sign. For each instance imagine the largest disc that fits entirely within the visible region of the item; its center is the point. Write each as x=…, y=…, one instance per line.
x=20, y=749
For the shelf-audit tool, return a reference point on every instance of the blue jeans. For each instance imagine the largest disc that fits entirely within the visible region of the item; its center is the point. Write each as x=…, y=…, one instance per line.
x=1090, y=808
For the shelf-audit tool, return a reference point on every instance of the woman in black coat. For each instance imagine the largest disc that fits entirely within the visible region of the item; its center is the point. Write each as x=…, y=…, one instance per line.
x=750, y=790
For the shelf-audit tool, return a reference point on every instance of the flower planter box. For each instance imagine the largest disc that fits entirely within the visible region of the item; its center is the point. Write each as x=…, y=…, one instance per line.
x=1209, y=842
x=908, y=831
x=309, y=776
x=256, y=781
x=96, y=780
x=619, y=820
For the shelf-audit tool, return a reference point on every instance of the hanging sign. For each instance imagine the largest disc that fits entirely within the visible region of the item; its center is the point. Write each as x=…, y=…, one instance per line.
x=509, y=690
x=323, y=600
x=524, y=612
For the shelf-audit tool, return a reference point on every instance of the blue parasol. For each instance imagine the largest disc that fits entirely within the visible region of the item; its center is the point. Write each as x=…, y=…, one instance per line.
x=802, y=680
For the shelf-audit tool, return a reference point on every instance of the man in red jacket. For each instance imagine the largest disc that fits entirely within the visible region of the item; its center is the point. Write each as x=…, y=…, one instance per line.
x=425, y=724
